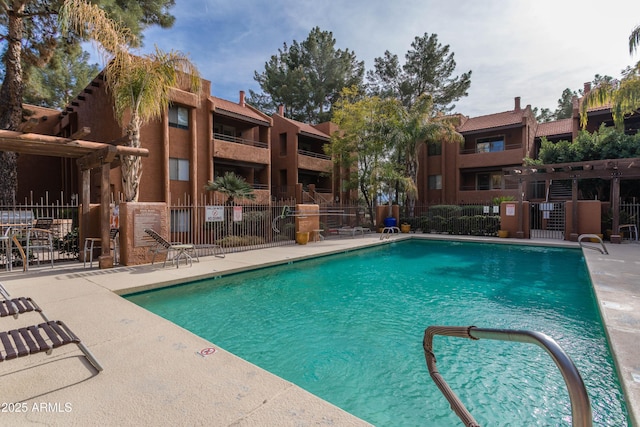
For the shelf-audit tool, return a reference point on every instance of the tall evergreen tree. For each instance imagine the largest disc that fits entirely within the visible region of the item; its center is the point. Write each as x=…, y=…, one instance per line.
x=565, y=105
x=29, y=33
x=307, y=77
x=64, y=76
x=427, y=70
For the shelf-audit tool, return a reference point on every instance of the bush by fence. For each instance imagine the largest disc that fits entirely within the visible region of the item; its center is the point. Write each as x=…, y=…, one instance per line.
x=472, y=220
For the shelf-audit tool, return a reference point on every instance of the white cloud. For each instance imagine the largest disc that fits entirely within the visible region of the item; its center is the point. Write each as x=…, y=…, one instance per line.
x=532, y=49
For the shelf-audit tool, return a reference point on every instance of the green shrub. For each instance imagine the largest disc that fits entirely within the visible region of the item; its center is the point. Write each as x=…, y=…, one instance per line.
x=69, y=244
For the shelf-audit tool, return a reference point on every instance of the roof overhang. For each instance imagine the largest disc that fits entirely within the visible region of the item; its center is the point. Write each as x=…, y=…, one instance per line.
x=315, y=135
x=491, y=129
x=89, y=154
x=231, y=114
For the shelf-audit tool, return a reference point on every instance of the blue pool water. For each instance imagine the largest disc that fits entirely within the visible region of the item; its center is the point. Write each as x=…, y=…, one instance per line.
x=349, y=329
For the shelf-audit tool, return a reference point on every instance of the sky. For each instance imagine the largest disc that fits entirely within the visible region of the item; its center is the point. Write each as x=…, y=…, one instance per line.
x=533, y=49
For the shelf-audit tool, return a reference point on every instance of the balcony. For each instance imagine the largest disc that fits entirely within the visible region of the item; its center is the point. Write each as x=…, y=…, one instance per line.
x=314, y=161
x=229, y=138
x=230, y=147
x=512, y=154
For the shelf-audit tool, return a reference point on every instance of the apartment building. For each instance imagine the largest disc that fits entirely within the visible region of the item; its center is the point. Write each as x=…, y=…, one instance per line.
x=198, y=138
x=298, y=157
x=242, y=143
x=472, y=171
x=202, y=136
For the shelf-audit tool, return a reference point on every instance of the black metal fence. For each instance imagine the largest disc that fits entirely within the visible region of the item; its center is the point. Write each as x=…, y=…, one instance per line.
x=17, y=219
x=236, y=228
x=467, y=219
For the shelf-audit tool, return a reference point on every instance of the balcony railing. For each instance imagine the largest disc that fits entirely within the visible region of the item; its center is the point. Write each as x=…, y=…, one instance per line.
x=474, y=151
x=507, y=186
x=237, y=140
x=316, y=155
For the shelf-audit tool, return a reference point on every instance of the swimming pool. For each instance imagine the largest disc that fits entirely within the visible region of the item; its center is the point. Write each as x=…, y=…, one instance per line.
x=349, y=329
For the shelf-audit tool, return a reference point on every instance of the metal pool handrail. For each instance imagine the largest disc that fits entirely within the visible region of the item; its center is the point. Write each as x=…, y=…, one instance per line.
x=580, y=406
x=598, y=239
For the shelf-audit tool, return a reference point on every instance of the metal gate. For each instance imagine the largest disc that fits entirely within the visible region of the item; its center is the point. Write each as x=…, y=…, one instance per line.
x=547, y=220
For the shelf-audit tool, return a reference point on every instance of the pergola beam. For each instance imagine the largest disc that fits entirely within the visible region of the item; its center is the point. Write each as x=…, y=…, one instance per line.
x=611, y=169
x=89, y=155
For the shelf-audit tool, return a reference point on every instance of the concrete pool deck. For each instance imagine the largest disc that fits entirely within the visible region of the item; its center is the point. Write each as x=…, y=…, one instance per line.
x=153, y=369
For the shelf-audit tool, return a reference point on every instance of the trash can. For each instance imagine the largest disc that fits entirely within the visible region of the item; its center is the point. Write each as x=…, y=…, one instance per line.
x=390, y=222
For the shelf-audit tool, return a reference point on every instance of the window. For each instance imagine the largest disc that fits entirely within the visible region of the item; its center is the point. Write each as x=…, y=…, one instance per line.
x=434, y=149
x=178, y=169
x=178, y=117
x=283, y=144
x=489, y=181
x=435, y=182
x=490, y=145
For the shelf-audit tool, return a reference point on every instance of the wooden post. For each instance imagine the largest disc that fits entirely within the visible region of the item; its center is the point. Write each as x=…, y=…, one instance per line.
x=574, y=210
x=520, y=232
x=615, y=208
x=105, y=260
x=86, y=200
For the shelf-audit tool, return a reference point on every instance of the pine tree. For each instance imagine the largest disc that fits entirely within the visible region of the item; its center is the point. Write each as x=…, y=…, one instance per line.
x=427, y=70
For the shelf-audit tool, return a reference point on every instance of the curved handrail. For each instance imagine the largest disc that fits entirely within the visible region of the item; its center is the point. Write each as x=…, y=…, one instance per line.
x=602, y=248
x=580, y=405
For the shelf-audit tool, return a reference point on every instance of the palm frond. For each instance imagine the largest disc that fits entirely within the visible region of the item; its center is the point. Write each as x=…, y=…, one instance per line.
x=634, y=40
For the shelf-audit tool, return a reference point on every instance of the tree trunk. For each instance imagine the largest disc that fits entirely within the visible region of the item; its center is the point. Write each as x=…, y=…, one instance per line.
x=413, y=175
x=132, y=165
x=11, y=103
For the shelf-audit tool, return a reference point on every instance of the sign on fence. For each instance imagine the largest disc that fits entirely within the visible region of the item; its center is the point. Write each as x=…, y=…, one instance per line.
x=237, y=213
x=214, y=214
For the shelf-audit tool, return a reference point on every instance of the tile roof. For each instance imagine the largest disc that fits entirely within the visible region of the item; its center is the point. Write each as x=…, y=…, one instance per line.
x=557, y=127
x=307, y=128
x=237, y=109
x=490, y=121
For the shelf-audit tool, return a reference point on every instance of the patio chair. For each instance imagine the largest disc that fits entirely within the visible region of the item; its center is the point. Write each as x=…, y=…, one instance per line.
x=5, y=245
x=42, y=337
x=91, y=243
x=40, y=237
x=176, y=249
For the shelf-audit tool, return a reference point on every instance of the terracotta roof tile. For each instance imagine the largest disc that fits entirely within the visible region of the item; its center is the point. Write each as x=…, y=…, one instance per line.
x=490, y=121
x=557, y=127
x=307, y=128
x=235, y=108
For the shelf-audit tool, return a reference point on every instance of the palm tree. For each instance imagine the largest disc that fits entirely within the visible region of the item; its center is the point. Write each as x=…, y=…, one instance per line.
x=232, y=186
x=140, y=85
x=634, y=40
x=623, y=95
x=421, y=125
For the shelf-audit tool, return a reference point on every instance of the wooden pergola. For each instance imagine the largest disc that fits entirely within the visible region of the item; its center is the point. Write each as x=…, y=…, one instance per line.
x=89, y=155
x=613, y=170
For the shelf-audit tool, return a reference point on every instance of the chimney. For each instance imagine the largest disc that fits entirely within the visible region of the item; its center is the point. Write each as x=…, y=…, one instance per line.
x=241, y=98
x=281, y=110
x=587, y=88
x=517, y=99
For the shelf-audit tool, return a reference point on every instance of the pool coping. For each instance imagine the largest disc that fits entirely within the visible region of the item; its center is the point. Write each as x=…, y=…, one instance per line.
x=148, y=359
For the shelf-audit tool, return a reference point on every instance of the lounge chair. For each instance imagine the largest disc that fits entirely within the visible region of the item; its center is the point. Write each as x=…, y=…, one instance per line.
x=176, y=249
x=43, y=337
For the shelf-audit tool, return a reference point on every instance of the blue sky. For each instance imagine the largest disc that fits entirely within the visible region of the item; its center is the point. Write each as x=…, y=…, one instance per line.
x=528, y=48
